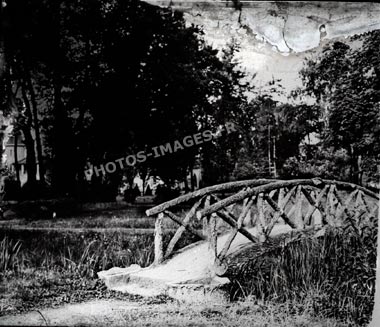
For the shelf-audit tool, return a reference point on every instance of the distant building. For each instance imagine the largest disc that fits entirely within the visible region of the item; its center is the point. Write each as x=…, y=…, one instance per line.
x=10, y=157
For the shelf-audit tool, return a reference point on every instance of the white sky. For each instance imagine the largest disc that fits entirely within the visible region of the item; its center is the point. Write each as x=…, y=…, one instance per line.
x=266, y=63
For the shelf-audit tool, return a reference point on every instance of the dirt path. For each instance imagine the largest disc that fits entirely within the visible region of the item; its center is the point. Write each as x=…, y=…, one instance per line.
x=128, y=313
x=79, y=229
x=94, y=313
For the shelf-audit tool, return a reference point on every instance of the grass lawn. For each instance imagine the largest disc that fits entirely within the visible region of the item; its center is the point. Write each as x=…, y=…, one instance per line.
x=325, y=282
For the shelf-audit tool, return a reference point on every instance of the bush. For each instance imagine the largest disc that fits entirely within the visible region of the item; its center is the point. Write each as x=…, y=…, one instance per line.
x=323, y=163
x=334, y=275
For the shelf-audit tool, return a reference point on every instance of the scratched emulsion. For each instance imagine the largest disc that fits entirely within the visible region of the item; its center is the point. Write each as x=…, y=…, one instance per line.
x=287, y=26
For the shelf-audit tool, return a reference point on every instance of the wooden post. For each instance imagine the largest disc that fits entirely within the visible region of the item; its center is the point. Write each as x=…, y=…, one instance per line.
x=330, y=205
x=261, y=218
x=298, y=208
x=206, y=220
x=213, y=240
x=158, y=240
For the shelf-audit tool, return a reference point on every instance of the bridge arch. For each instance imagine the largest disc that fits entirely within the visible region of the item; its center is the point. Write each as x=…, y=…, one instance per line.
x=261, y=210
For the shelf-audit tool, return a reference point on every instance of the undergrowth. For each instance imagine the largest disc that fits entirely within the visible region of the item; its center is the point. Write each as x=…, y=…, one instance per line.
x=332, y=276
x=51, y=268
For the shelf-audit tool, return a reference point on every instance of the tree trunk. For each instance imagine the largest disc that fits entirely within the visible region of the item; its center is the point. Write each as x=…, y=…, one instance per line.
x=354, y=163
x=17, y=168
x=63, y=160
x=359, y=169
x=185, y=181
x=31, y=166
x=41, y=168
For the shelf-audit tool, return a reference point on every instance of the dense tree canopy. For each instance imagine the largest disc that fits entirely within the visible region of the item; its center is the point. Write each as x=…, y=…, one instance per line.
x=88, y=82
x=102, y=80
x=345, y=82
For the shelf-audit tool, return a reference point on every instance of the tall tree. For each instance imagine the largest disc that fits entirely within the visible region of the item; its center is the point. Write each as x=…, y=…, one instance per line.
x=346, y=82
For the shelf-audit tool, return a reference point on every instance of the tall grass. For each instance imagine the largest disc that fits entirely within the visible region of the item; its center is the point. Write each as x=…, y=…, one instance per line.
x=331, y=276
x=51, y=268
x=83, y=254
x=9, y=254
x=334, y=276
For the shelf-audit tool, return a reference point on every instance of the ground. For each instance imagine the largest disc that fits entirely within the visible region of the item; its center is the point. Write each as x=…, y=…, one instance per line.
x=54, y=281
x=148, y=313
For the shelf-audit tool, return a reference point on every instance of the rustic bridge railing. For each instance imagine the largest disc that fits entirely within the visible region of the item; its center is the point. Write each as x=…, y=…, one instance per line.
x=302, y=204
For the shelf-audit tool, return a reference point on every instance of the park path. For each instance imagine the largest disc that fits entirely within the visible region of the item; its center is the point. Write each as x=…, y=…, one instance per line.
x=154, y=314
x=97, y=312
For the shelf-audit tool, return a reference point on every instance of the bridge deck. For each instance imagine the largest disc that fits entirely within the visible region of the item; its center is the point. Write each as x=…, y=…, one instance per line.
x=191, y=266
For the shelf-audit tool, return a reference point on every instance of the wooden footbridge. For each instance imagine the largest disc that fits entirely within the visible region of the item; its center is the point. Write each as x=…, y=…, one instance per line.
x=229, y=222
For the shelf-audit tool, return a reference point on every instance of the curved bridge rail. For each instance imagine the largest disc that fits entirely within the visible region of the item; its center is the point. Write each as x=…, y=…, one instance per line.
x=257, y=206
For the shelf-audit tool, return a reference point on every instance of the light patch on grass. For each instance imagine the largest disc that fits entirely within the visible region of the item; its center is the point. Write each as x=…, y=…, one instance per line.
x=148, y=313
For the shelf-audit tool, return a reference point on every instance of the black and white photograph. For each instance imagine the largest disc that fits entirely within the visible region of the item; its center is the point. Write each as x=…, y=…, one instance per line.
x=189, y=163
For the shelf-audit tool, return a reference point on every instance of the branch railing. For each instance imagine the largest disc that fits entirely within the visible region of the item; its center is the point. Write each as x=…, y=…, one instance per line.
x=203, y=197
x=301, y=204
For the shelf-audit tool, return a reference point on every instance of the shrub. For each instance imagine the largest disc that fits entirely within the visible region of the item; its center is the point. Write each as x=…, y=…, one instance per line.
x=333, y=275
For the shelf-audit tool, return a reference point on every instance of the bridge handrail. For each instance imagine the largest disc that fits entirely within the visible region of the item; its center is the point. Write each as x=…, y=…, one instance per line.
x=205, y=191
x=255, y=183
x=315, y=182
x=256, y=193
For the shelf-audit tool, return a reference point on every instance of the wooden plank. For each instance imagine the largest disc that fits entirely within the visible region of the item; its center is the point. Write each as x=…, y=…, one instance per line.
x=231, y=210
x=205, y=221
x=330, y=206
x=282, y=213
x=315, y=182
x=254, y=191
x=277, y=213
x=315, y=204
x=213, y=241
x=353, y=187
x=261, y=224
x=292, y=210
x=350, y=217
x=233, y=223
x=298, y=208
x=287, y=200
x=233, y=234
x=288, y=197
x=205, y=191
x=365, y=203
x=280, y=200
x=158, y=240
x=344, y=208
x=182, y=228
x=188, y=227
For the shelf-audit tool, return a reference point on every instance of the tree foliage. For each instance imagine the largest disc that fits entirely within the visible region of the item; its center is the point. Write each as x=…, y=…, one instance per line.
x=345, y=81
x=108, y=79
